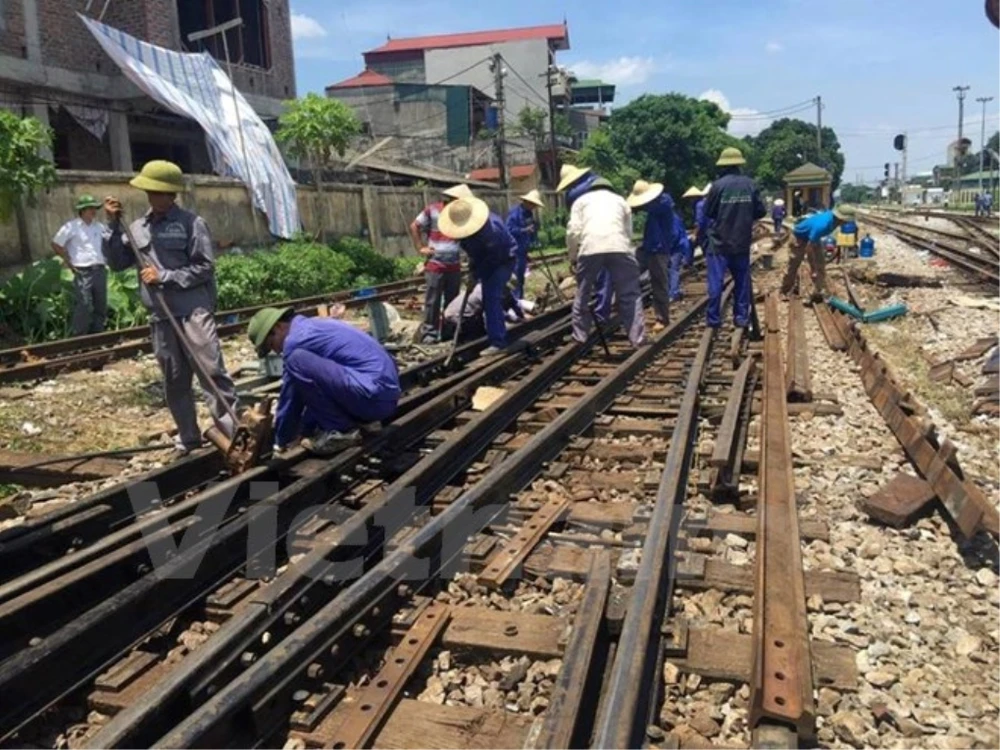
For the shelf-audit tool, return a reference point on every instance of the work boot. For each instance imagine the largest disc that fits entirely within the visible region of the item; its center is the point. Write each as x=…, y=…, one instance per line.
x=183, y=449
x=332, y=442
x=491, y=351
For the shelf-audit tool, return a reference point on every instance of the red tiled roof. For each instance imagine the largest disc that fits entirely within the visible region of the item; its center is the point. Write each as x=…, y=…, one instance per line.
x=555, y=32
x=492, y=174
x=364, y=78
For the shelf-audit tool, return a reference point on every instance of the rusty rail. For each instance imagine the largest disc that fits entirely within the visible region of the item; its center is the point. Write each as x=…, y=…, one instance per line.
x=781, y=689
x=799, y=378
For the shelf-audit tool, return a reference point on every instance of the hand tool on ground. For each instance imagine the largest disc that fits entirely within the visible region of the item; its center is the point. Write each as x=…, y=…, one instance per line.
x=458, y=323
x=550, y=275
x=243, y=450
x=600, y=330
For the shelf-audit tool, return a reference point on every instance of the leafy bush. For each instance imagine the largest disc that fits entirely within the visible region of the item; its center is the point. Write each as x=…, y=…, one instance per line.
x=377, y=268
x=125, y=308
x=36, y=303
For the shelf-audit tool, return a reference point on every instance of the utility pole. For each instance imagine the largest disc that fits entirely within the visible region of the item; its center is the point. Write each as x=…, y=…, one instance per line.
x=960, y=91
x=819, y=129
x=552, y=69
x=500, y=142
x=982, y=142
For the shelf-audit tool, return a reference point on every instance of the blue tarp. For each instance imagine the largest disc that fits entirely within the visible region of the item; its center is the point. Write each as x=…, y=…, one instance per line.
x=194, y=86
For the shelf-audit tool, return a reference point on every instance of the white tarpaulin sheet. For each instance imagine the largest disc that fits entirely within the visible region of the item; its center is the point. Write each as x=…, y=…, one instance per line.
x=193, y=85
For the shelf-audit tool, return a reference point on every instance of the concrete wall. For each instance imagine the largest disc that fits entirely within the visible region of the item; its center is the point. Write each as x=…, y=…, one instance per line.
x=380, y=214
x=530, y=58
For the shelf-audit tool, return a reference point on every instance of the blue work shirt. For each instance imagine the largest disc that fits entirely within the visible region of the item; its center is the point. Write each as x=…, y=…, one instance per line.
x=658, y=237
x=778, y=213
x=680, y=242
x=814, y=228
x=733, y=205
x=521, y=225
x=356, y=359
x=701, y=223
x=490, y=247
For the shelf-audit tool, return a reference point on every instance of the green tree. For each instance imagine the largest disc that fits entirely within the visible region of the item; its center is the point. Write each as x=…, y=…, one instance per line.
x=599, y=154
x=669, y=138
x=23, y=169
x=788, y=143
x=562, y=125
x=531, y=124
x=315, y=128
x=851, y=193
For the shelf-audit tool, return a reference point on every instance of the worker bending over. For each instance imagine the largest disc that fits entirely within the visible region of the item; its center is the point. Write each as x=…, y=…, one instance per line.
x=178, y=259
x=732, y=206
x=80, y=244
x=522, y=226
x=809, y=234
x=442, y=269
x=491, y=248
x=599, y=237
x=334, y=379
x=473, y=320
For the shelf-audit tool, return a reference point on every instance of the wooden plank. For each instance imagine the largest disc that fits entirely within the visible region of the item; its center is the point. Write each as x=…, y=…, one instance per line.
x=604, y=515
x=18, y=468
x=506, y=560
x=724, y=443
x=840, y=587
x=559, y=562
x=898, y=503
x=567, y=699
x=978, y=349
x=510, y=632
x=365, y=716
x=746, y=525
x=942, y=372
x=831, y=333
x=726, y=655
x=798, y=378
x=427, y=725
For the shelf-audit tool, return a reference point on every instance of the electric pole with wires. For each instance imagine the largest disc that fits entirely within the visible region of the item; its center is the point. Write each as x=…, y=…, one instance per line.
x=496, y=67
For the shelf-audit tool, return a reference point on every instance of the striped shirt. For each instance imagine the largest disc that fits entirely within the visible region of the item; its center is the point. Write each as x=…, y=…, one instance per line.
x=446, y=250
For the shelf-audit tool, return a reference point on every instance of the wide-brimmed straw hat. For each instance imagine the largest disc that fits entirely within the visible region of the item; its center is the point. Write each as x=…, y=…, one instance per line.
x=845, y=213
x=570, y=174
x=730, y=157
x=692, y=192
x=463, y=218
x=644, y=192
x=534, y=198
x=458, y=191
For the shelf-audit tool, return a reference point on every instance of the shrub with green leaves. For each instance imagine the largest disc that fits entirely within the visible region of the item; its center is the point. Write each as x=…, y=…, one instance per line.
x=374, y=267
x=35, y=304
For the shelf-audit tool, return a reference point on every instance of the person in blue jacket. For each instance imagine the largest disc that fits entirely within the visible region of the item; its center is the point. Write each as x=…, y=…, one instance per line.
x=681, y=254
x=334, y=379
x=809, y=233
x=660, y=249
x=491, y=250
x=521, y=224
x=732, y=206
x=778, y=216
x=701, y=222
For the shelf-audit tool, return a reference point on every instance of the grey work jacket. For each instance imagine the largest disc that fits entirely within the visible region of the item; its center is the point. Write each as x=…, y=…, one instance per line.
x=179, y=245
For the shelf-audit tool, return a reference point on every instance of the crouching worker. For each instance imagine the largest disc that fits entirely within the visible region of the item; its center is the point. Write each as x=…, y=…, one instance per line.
x=335, y=379
x=473, y=320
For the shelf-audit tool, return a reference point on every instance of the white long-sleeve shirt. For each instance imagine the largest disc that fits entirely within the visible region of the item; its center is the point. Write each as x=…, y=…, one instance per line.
x=600, y=222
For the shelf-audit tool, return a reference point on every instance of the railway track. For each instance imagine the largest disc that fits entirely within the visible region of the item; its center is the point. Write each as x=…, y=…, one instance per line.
x=51, y=358
x=955, y=248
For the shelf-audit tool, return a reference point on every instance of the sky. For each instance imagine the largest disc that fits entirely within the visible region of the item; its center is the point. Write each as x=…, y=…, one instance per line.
x=881, y=66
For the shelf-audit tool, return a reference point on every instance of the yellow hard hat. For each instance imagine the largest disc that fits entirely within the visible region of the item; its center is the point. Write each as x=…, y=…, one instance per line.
x=159, y=177
x=731, y=157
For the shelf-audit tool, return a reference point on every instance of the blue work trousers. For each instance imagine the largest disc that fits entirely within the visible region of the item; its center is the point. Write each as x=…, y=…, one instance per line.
x=335, y=397
x=676, y=264
x=738, y=266
x=520, y=269
x=603, y=296
x=494, y=279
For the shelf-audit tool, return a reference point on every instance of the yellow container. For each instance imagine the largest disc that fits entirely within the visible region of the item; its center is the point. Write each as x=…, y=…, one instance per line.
x=846, y=240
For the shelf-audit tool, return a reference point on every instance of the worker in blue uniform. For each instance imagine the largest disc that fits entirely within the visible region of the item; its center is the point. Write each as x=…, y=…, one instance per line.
x=491, y=250
x=732, y=206
x=657, y=242
x=809, y=234
x=681, y=255
x=334, y=379
x=701, y=222
x=778, y=216
x=523, y=227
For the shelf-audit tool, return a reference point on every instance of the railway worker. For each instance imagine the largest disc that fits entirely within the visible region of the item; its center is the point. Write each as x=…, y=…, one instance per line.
x=521, y=224
x=778, y=216
x=335, y=379
x=809, y=233
x=977, y=201
x=179, y=261
x=657, y=253
x=987, y=204
x=732, y=206
x=491, y=250
x=473, y=320
x=80, y=244
x=701, y=221
x=599, y=237
x=442, y=268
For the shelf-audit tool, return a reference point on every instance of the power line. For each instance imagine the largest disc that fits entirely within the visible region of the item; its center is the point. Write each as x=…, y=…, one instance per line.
x=531, y=88
x=782, y=112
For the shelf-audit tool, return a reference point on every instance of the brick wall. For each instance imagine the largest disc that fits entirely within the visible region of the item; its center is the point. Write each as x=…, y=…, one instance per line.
x=12, y=28
x=66, y=43
x=279, y=81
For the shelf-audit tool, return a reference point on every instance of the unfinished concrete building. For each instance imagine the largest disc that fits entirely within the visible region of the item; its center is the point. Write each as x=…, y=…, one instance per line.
x=51, y=67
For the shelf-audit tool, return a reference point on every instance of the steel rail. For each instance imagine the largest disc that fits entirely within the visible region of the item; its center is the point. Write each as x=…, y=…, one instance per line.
x=258, y=701
x=79, y=649
x=633, y=680
x=781, y=686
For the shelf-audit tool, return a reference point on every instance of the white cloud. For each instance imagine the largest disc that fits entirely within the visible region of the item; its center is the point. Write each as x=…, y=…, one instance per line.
x=737, y=127
x=624, y=71
x=306, y=27
x=774, y=47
